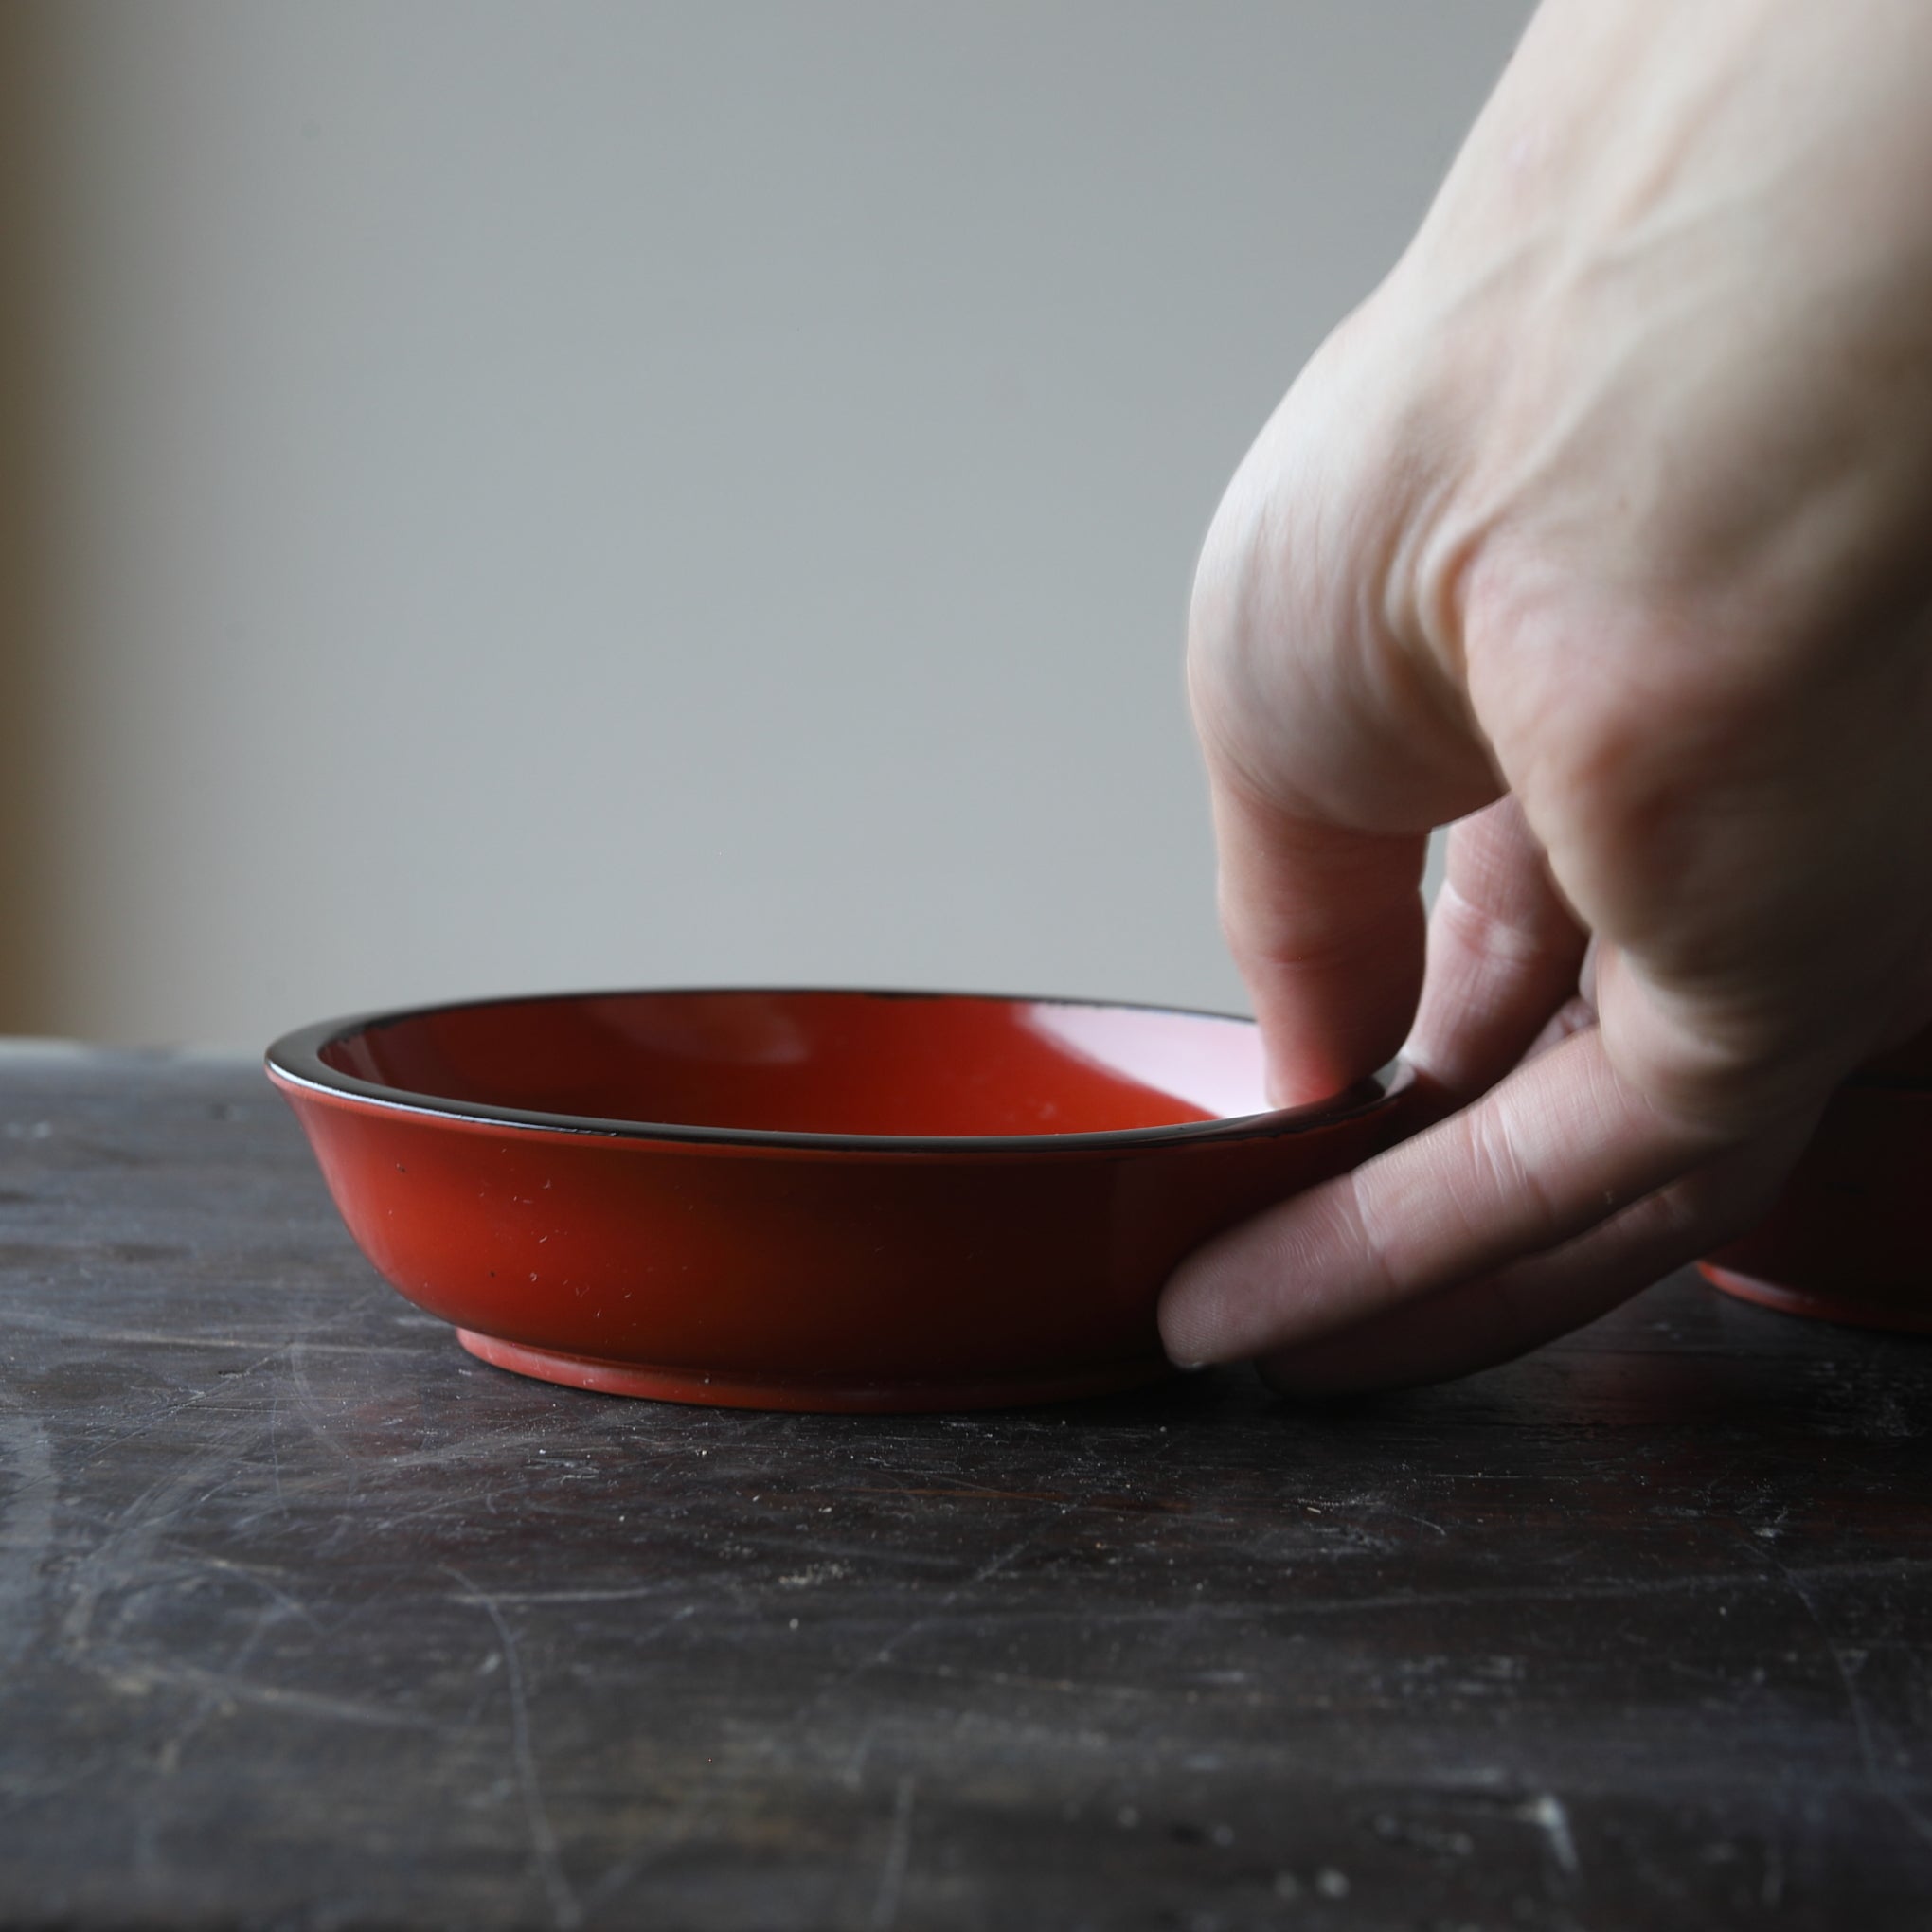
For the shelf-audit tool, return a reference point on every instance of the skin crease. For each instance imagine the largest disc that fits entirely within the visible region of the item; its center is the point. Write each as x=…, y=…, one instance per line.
x=1604, y=529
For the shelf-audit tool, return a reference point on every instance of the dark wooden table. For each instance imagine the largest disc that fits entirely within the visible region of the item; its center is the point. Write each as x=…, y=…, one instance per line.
x=307, y=1620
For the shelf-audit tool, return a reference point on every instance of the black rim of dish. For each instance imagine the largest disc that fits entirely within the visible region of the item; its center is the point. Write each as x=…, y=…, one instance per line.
x=296, y=1058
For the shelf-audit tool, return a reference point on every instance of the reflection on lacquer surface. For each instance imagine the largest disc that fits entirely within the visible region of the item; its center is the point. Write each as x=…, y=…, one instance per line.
x=1211, y=1067
x=815, y=1062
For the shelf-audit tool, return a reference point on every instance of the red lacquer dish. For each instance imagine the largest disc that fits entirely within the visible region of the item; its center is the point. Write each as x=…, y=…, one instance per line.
x=806, y=1199
x=1850, y=1239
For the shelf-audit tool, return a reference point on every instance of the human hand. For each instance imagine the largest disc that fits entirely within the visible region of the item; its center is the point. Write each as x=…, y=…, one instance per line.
x=1604, y=529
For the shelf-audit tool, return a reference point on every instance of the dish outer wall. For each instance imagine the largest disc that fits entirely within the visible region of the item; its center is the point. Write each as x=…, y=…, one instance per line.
x=1849, y=1237
x=800, y=1278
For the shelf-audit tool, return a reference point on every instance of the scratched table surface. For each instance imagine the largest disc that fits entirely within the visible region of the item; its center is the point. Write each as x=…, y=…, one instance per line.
x=309, y=1619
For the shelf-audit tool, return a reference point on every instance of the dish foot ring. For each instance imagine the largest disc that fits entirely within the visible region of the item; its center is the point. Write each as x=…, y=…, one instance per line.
x=810, y=1394
x=1848, y=1310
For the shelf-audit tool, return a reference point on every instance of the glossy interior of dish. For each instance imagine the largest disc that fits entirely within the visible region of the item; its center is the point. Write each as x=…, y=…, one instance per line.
x=823, y=1063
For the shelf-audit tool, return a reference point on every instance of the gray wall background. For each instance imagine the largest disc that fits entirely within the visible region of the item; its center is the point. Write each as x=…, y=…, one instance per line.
x=575, y=494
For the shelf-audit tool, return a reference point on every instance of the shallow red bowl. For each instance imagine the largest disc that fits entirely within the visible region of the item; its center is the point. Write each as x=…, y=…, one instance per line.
x=1850, y=1238
x=807, y=1200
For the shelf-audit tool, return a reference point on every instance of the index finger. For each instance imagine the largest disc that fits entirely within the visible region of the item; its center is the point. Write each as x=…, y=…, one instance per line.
x=1560, y=1145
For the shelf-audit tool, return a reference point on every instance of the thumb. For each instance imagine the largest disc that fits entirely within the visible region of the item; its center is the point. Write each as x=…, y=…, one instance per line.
x=1327, y=926
x=1332, y=743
